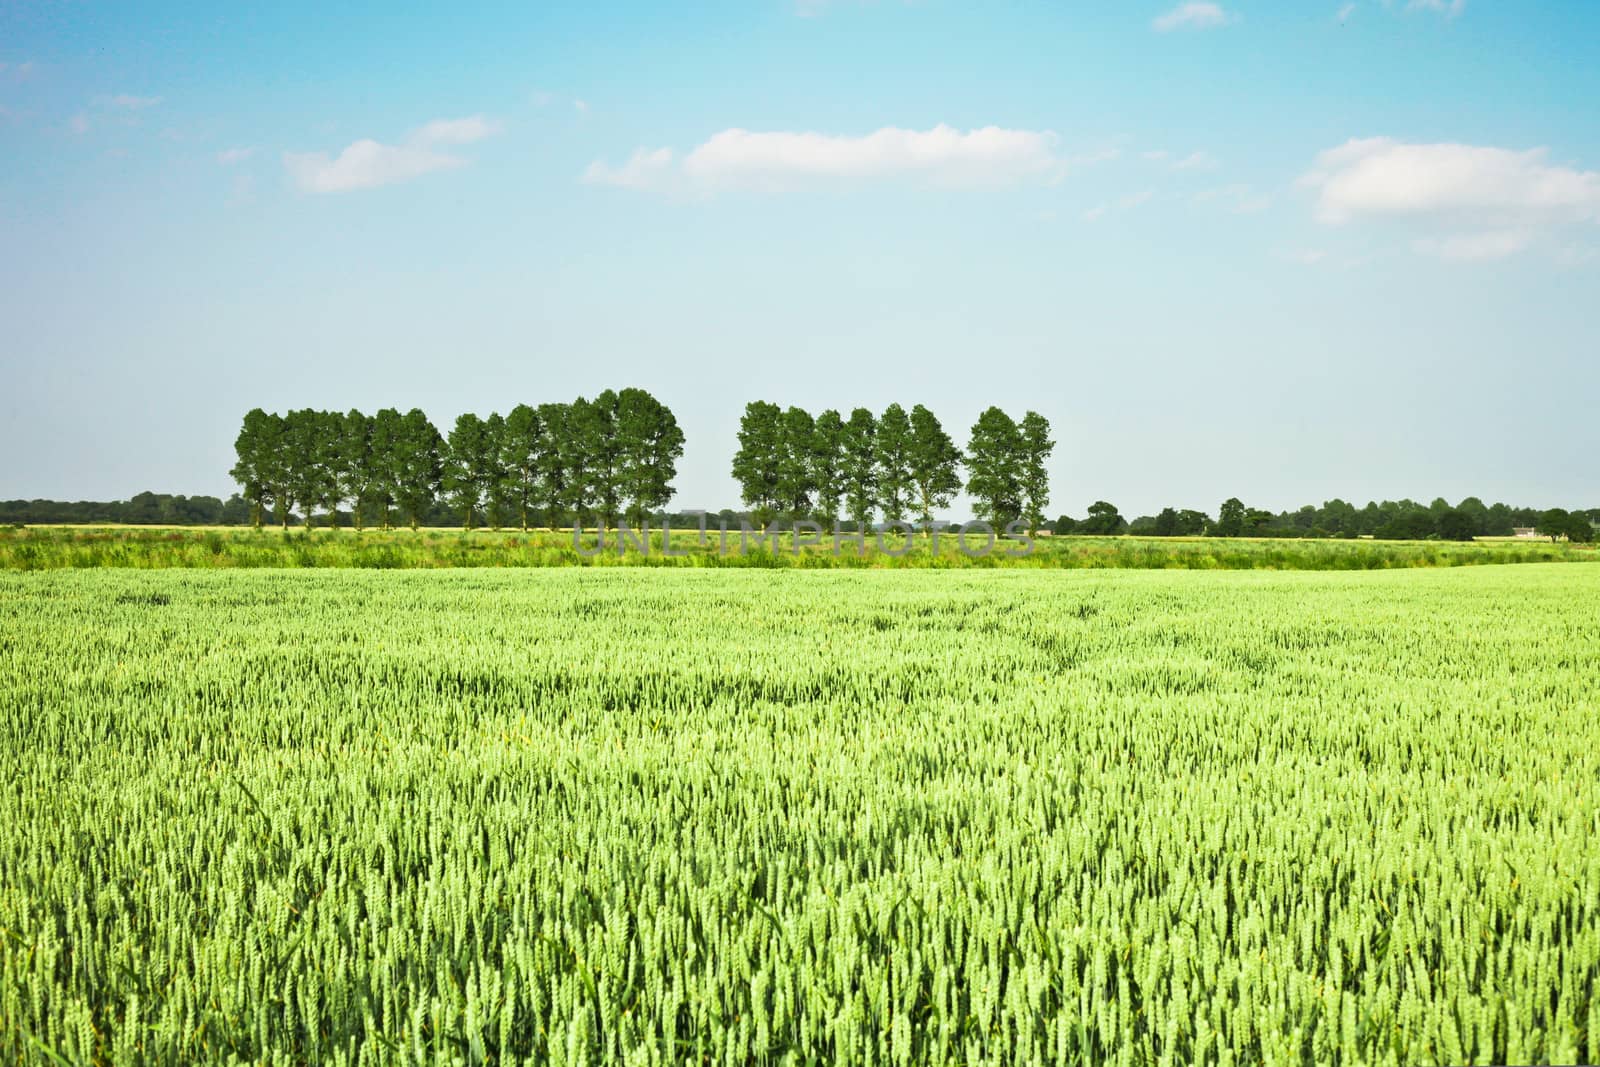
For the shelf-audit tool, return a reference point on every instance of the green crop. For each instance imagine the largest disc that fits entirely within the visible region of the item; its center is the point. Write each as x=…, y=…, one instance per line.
x=630, y=815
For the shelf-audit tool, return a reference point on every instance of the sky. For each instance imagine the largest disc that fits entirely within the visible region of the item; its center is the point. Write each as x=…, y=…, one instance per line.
x=1285, y=251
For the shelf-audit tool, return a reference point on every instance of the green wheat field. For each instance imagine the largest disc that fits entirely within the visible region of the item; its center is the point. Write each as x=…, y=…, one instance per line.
x=736, y=816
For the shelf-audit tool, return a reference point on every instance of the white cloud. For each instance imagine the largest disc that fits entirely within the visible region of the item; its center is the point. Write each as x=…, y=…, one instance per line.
x=1196, y=161
x=1124, y=203
x=643, y=169
x=128, y=102
x=581, y=106
x=367, y=164
x=1471, y=203
x=1447, y=8
x=1306, y=257
x=455, y=131
x=742, y=157
x=541, y=98
x=1345, y=12
x=1239, y=198
x=228, y=157
x=1382, y=177
x=1192, y=16
x=79, y=123
x=1475, y=247
x=777, y=160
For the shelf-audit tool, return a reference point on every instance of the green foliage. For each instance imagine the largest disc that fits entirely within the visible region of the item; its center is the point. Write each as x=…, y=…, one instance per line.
x=1034, y=451
x=895, y=457
x=647, y=817
x=827, y=462
x=758, y=465
x=1453, y=524
x=934, y=463
x=1104, y=520
x=994, y=475
x=860, y=470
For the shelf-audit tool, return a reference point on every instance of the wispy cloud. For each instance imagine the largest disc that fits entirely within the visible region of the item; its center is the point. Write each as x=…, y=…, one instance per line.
x=78, y=123
x=1192, y=16
x=775, y=160
x=643, y=169
x=1125, y=203
x=1196, y=161
x=1447, y=8
x=367, y=164
x=1345, y=12
x=1238, y=198
x=128, y=102
x=1475, y=247
x=228, y=157
x=1482, y=202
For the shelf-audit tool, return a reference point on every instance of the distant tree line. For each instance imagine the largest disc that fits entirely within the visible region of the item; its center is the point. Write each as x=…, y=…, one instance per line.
x=150, y=509
x=900, y=466
x=587, y=462
x=1395, y=520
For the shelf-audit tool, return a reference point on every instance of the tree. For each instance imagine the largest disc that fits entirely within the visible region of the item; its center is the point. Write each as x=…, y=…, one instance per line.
x=1166, y=524
x=1230, y=518
x=827, y=468
x=597, y=434
x=795, y=489
x=1455, y=524
x=575, y=444
x=648, y=446
x=934, y=461
x=258, y=470
x=463, y=469
x=358, y=474
x=894, y=463
x=994, y=476
x=1104, y=520
x=1477, y=513
x=388, y=426
x=1555, y=523
x=1580, y=530
x=518, y=459
x=334, y=484
x=550, y=473
x=415, y=465
x=308, y=442
x=1408, y=521
x=1036, y=449
x=494, y=476
x=1192, y=523
x=860, y=467
x=758, y=465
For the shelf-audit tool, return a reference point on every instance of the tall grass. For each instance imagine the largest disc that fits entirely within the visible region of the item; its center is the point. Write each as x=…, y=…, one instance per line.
x=52, y=548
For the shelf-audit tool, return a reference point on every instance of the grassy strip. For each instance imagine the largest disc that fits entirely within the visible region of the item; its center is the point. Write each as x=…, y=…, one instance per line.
x=62, y=548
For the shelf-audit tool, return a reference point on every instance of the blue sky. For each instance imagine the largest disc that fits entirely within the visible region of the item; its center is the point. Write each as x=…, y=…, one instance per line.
x=1285, y=251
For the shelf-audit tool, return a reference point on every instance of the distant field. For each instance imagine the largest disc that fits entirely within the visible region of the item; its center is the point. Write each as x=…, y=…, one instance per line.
x=58, y=547
x=647, y=816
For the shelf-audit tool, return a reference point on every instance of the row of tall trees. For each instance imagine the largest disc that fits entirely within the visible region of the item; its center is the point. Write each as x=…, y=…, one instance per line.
x=590, y=461
x=900, y=465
